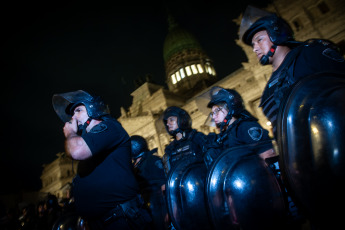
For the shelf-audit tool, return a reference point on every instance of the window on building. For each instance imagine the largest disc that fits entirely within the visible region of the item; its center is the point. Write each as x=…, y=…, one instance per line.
x=213, y=71
x=173, y=79
x=208, y=69
x=194, y=69
x=200, y=68
x=188, y=71
x=323, y=7
x=298, y=25
x=178, y=77
x=182, y=73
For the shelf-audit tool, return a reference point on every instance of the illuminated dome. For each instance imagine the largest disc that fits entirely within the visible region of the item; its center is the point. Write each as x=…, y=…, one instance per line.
x=188, y=68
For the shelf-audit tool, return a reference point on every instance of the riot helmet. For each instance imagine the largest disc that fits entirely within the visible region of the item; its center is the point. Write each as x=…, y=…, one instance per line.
x=65, y=103
x=52, y=202
x=278, y=30
x=231, y=98
x=139, y=146
x=184, y=121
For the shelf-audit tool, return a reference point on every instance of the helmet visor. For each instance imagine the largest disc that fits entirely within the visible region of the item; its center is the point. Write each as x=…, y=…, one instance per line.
x=205, y=101
x=62, y=101
x=250, y=16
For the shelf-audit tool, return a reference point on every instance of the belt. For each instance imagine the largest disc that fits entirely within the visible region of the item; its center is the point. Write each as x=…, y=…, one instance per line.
x=121, y=210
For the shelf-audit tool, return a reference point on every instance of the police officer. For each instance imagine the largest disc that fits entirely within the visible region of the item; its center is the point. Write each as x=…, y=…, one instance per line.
x=187, y=145
x=236, y=126
x=105, y=190
x=187, y=142
x=273, y=42
x=149, y=172
x=296, y=65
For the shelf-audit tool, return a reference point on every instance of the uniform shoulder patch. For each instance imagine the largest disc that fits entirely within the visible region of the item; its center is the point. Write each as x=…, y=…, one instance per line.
x=255, y=133
x=99, y=128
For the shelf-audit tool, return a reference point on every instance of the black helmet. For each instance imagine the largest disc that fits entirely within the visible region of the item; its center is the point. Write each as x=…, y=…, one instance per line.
x=277, y=29
x=52, y=202
x=139, y=146
x=231, y=97
x=184, y=121
x=65, y=103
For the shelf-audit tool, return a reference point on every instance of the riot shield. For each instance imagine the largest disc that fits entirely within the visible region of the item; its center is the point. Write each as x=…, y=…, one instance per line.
x=69, y=221
x=156, y=205
x=185, y=191
x=311, y=142
x=243, y=193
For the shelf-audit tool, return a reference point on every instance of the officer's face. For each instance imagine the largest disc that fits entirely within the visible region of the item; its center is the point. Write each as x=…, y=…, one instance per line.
x=80, y=114
x=218, y=113
x=261, y=43
x=172, y=123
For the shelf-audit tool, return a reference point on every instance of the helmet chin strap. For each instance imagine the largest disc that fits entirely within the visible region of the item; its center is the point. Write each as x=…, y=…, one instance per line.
x=82, y=128
x=225, y=122
x=173, y=133
x=265, y=58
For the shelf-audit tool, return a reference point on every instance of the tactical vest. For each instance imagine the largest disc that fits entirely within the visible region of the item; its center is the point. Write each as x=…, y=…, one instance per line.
x=180, y=149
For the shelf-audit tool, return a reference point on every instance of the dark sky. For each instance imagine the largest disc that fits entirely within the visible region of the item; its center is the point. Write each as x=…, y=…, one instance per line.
x=100, y=48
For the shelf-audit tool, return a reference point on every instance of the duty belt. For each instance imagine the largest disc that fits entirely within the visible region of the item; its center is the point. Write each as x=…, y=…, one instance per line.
x=122, y=209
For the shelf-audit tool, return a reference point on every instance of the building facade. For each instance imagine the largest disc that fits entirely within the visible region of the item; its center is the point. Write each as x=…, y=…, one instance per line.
x=190, y=73
x=309, y=19
x=57, y=177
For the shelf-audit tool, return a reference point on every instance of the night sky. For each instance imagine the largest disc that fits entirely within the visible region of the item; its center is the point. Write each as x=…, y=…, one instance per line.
x=100, y=48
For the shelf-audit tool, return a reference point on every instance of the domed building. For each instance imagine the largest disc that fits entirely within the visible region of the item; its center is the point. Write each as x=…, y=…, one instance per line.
x=188, y=68
x=190, y=73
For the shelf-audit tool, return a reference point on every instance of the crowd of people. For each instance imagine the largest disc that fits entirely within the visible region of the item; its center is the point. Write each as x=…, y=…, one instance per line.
x=40, y=216
x=122, y=184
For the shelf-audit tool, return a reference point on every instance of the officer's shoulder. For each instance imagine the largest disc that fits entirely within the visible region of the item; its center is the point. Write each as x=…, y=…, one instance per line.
x=251, y=129
x=99, y=128
x=326, y=48
x=247, y=124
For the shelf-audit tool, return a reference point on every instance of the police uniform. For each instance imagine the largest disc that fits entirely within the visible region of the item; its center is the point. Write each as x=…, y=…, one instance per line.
x=311, y=57
x=150, y=175
x=243, y=131
x=189, y=146
x=149, y=171
x=106, y=180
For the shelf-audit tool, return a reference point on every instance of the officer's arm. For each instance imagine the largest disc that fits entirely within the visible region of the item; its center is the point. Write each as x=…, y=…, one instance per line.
x=76, y=147
x=166, y=163
x=267, y=154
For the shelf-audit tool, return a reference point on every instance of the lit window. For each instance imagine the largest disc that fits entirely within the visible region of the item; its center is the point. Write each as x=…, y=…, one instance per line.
x=178, y=77
x=200, y=68
x=189, y=71
x=213, y=71
x=182, y=73
x=208, y=69
x=173, y=79
x=195, y=71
